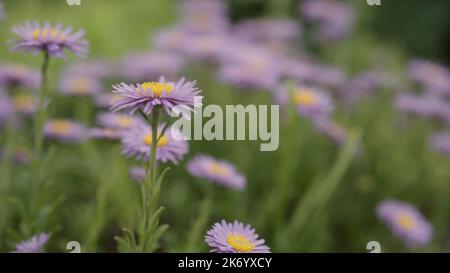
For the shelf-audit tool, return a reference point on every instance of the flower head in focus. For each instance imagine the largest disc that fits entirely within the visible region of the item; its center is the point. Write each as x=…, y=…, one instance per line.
x=235, y=237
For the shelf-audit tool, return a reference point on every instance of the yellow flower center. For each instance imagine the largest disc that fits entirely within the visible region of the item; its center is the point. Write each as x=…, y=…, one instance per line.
x=124, y=121
x=80, y=85
x=405, y=221
x=219, y=169
x=23, y=102
x=61, y=127
x=163, y=141
x=304, y=97
x=157, y=88
x=240, y=243
x=45, y=33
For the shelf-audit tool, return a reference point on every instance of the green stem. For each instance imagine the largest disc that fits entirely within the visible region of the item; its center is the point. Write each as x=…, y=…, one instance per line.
x=41, y=111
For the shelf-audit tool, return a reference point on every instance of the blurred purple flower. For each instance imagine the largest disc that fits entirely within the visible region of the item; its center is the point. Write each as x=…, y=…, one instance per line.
x=6, y=108
x=25, y=104
x=106, y=100
x=267, y=30
x=334, y=18
x=2, y=12
x=177, y=97
x=16, y=75
x=234, y=237
x=34, y=245
x=34, y=37
x=204, y=17
x=137, y=173
x=145, y=66
x=117, y=121
x=430, y=106
x=137, y=142
x=218, y=171
x=79, y=85
x=441, y=142
x=434, y=77
x=309, y=102
x=332, y=130
x=105, y=133
x=405, y=222
x=65, y=130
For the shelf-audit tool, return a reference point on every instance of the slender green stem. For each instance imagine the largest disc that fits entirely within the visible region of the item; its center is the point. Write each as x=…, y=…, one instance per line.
x=41, y=111
x=154, y=124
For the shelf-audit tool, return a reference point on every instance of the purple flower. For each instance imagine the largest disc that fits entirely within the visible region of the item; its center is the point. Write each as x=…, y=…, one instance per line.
x=234, y=237
x=25, y=104
x=206, y=47
x=363, y=85
x=217, y=171
x=430, y=106
x=441, y=142
x=334, y=18
x=204, y=17
x=34, y=245
x=405, y=222
x=5, y=108
x=34, y=37
x=105, y=133
x=106, y=100
x=137, y=173
x=144, y=66
x=65, y=130
x=332, y=130
x=95, y=69
x=16, y=75
x=80, y=85
x=172, y=39
x=137, y=142
x=434, y=77
x=177, y=97
x=308, y=101
x=117, y=121
x=268, y=30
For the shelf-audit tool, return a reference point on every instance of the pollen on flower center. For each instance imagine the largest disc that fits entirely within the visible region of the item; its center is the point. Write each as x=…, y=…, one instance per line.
x=304, y=97
x=405, y=221
x=61, y=127
x=240, y=243
x=45, y=33
x=161, y=142
x=218, y=169
x=156, y=88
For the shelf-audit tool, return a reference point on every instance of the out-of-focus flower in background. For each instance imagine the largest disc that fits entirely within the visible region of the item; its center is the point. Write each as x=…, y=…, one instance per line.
x=137, y=142
x=235, y=237
x=218, y=171
x=405, y=222
x=18, y=76
x=433, y=77
x=441, y=142
x=34, y=245
x=65, y=130
x=80, y=85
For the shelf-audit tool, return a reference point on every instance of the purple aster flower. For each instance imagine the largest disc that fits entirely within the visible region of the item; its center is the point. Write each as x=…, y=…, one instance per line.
x=5, y=108
x=334, y=18
x=172, y=39
x=332, y=130
x=217, y=171
x=137, y=142
x=16, y=75
x=94, y=68
x=34, y=37
x=206, y=47
x=430, y=106
x=203, y=17
x=105, y=133
x=234, y=237
x=405, y=222
x=65, y=130
x=309, y=102
x=79, y=85
x=363, y=85
x=144, y=66
x=34, y=245
x=25, y=104
x=117, y=121
x=175, y=97
x=106, y=100
x=434, y=77
x=441, y=142
x=267, y=30
x=137, y=173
